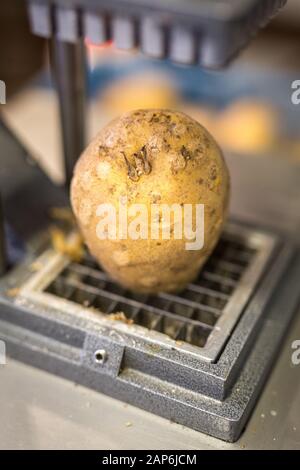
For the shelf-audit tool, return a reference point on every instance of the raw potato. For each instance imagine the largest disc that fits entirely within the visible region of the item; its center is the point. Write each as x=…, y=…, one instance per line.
x=247, y=127
x=145, y=157
x=145, y=89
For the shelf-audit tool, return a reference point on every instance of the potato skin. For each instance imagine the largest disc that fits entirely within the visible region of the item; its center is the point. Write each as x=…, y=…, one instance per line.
x=151, y=156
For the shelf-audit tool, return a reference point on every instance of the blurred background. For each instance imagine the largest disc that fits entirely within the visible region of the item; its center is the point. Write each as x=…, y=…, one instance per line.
x=247, y=107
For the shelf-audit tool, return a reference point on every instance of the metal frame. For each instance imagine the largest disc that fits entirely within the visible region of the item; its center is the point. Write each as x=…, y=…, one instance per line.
x=69, y=68
x=264, y=244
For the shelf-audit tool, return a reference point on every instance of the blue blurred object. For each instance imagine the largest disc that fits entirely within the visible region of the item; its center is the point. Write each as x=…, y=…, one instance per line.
x=214, y=88
x=15, y=247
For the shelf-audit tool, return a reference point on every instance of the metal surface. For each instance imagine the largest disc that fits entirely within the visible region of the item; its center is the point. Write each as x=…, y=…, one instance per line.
x=42, y=411
x=202, y=317
x=68, y=65
x=207, y=32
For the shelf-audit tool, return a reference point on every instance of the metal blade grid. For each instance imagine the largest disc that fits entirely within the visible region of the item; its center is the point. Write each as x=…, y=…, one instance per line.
x=189, y=316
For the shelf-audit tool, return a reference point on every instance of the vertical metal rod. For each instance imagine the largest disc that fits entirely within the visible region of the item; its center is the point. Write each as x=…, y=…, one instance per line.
x=3, y=261
x=69, y=69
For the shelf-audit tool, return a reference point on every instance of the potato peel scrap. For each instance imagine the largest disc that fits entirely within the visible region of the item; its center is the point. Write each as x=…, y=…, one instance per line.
x=13, y=292
x=120, y=316
x=69, y=245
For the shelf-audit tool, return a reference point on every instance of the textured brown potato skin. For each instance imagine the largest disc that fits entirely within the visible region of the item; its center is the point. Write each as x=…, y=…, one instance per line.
x=151, y=156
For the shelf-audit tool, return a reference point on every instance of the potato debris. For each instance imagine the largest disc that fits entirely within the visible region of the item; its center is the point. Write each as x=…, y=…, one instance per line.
x=120, y=316
x=70, y=245
x=13, y=292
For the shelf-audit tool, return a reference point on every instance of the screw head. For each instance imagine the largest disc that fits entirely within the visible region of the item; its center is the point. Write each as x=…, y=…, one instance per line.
x=100, y=356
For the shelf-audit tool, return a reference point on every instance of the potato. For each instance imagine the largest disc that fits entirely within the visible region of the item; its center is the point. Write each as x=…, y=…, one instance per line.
x=247, y=126
x=151, y=157
x=144, y=89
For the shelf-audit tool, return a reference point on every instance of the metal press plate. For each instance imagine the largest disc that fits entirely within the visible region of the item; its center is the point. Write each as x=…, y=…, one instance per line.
x=208, y=32
x=202, y=338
